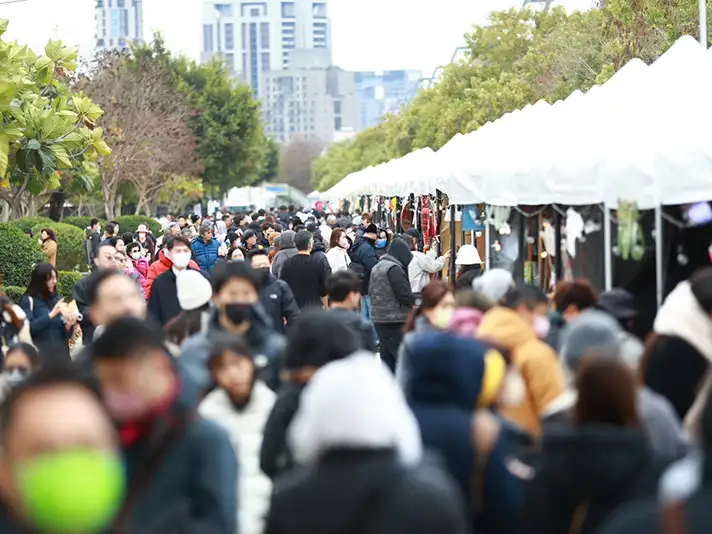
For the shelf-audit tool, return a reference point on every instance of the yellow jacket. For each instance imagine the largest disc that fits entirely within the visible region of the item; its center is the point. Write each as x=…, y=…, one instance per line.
x=535, y=360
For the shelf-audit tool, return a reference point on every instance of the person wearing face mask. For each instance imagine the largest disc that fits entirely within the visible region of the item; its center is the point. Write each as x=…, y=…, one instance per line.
x=59, y=474
x=241, y=405
x=276, y=296
x=237, y=311
x=520, y=326
x=337, y=255
x=163, y=304
x=363, y=260
x=163, y=264
x=175, y=462
x=21, y=359
x=140, y=264
x=436, y=308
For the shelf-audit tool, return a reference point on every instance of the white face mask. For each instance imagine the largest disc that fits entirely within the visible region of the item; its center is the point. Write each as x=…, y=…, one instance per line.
x=136, y=255
x=181, y=260
x=15, y=376
x=344, y=243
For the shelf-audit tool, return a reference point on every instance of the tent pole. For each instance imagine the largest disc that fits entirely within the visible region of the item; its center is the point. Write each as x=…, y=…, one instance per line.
x=488, y=247
x=659, y=254
x=607, y=246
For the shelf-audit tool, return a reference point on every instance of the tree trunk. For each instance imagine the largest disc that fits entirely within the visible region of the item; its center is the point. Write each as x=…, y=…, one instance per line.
x=119, y=204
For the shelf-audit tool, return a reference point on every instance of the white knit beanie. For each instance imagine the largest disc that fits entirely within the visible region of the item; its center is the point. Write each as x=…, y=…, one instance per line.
x=194, y=290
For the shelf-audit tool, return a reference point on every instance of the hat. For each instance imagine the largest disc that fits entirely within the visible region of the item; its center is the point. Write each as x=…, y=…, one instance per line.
x=591, y=330
x=619, y=303
x=413, y=232
x=357, y=220
x=142, y=228
x=468, y=255
x=194, y=290
x=370, y=229
x=312, y=227
x=494, y=283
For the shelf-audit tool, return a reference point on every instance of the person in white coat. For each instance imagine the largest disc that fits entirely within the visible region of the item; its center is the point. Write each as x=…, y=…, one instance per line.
x=422, y=265
x=241, y=405
x=337, y=255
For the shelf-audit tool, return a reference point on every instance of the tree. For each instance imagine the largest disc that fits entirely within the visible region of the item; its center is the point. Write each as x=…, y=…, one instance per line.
x=147, y=123
x=226, y=120
x=46, y=128
x=520, y=57
x=295, y=163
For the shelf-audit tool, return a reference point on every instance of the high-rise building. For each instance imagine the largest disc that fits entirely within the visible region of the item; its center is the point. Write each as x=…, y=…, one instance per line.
x=311, y=99
x=118, y=23
x=254, y=37
x=384, y=92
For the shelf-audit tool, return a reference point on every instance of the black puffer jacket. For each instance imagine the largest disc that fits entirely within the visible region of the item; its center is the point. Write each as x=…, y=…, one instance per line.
x=278, y=302
x=391, y=296
x=360, y=491
x=584, y=474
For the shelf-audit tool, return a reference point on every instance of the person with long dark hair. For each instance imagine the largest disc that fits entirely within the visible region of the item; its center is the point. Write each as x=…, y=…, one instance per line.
x=50, y=329
x=605, y=460
x=48, y=243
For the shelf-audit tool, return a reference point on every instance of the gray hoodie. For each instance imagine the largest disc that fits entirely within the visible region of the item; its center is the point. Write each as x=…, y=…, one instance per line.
x=287, y=249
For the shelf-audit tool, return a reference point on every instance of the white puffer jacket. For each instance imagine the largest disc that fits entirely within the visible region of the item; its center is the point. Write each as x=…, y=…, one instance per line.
x=245, y=429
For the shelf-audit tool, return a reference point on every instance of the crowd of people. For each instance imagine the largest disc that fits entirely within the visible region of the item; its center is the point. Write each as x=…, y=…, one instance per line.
x=289, y=372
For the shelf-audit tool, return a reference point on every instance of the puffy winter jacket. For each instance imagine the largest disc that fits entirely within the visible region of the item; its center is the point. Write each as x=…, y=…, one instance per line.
x=364, y=254
x=157, y=268
x=206, y=254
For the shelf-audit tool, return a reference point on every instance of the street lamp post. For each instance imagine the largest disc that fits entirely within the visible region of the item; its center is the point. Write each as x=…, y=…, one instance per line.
x=703, y=23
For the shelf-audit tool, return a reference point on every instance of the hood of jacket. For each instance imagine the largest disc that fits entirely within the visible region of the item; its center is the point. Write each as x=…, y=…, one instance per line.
x=318, y=245
x=592, y=461
x=337, y=412
x=400, y=251
x=445, y=369
x=165, y=261
x=507, y=328
x=683, y=317
x=286, y=240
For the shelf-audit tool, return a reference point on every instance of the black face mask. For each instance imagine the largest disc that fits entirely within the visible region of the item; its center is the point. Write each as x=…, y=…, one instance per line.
x=262, y=275
x=238, y=313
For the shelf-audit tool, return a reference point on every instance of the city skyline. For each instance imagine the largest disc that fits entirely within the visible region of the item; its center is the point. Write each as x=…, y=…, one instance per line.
x=367, y=35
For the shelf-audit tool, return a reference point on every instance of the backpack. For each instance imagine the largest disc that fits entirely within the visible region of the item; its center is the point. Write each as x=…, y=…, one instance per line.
x=358, y=268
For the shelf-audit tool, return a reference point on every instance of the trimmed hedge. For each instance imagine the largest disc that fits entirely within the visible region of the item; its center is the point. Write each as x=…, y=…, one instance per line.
x=66, y=280
x=129, y=223
x=70, y=246
x=14, y=293
x=18, y=255
x=28, y=223
x=81, y=222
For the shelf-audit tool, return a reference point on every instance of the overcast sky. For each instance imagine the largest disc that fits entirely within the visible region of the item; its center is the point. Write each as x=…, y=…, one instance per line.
x=366, y=34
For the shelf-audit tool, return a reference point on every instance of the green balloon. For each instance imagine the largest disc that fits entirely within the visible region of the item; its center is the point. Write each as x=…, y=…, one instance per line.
x=72, y=491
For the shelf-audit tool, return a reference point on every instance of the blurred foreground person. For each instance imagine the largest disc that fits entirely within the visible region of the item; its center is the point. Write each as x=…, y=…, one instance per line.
x=687, y=493
x=241, y=406
x=593, y=332
x=316, y=338
x=680, y=351
x=362, y=457
x=59, y=474
x=179, y=466
x=21, y=359
x=521, y=328
x=237, y=311
x=584, y=473
x=452, y=384
x=194, y=296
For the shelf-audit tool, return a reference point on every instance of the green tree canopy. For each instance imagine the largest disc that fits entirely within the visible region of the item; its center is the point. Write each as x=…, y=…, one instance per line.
x=520, y=57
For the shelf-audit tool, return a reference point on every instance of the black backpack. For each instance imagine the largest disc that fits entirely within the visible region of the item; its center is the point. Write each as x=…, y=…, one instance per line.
x=359, y=269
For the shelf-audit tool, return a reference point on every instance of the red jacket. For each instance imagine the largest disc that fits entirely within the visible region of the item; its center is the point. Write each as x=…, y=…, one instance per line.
x=160, y=266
